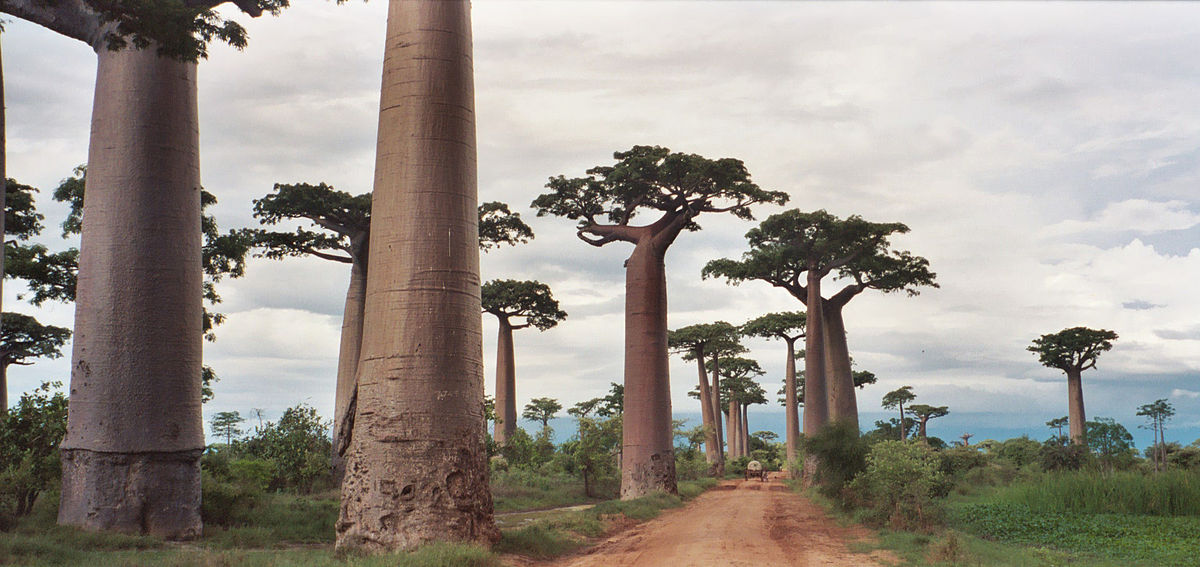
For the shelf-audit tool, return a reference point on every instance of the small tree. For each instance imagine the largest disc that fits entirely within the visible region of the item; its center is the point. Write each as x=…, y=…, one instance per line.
x=225, y=424
x=1157, y=415
x=924, y=413
x=29, y=437
x=1073, y=351
x=1111, y=442
x=1057, y=424
x=542, y=410
x=896, y=399
x=532, y=302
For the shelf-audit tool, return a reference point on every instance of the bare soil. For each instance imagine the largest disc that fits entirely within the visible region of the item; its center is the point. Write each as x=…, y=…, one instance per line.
x=738, y=523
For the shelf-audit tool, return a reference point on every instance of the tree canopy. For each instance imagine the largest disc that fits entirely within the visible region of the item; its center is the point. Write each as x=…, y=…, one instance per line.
x=23, y=338
x=652, y=179
x=542, y=410
x=1074, y=349
x=530, y=300
x=787, y=325
x=719, y=337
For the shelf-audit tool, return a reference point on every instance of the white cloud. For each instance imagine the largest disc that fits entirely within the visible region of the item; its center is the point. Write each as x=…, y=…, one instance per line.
x=1136, y=215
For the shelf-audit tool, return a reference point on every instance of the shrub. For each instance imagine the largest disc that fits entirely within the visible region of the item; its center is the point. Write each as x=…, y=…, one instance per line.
x=255, y=473
x=1057, y=457
x=299, y=446
x=225, y=503
x=840, y=453
x=690, y=467
x=30, y=433
x=1020, y=451
x=957, y=461
x=899, y=485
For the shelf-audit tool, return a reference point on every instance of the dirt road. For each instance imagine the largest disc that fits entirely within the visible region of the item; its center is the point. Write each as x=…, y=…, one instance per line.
x=739, y=523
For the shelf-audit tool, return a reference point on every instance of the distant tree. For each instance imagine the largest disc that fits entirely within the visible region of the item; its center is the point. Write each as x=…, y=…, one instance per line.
x=924, y=413
x=225, y=424
x=1057, y=424
x=738, y=391
x=342, y=224
x=1157, y=415
x=698, y=342
x=1073, y=351
x=23, y=338
x=1111, y=442
x=896, y=399
x=966, y=439
x=795, y=250
x=593, y=455
x=298, y=447
x=676, y=188
x=787, y=326
x=542, y=409
x=533, y=305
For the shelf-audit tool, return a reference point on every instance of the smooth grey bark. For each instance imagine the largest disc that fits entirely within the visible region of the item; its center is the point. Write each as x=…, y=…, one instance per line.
x=134, y=431
x=716, y=408
x=506, y=384
x=791, y=406
x=3, y=207
x=816, y=412
x=345, y=393
x=712, y=444
x=1075, y=413
x=843, y=400
x=416, y=470
x=746, y=431
x=648, y=456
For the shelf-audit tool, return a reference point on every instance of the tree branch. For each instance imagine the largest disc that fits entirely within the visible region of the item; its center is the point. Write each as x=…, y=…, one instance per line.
x=71, y=18
x=609, y=233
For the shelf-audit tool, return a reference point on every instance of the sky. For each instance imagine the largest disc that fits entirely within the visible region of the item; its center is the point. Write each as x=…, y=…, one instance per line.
x=1046, y=157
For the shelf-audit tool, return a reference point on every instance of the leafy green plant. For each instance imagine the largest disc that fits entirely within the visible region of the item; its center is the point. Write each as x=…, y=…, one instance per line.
x=900, y=486
x=841, y=454
x=30, y=433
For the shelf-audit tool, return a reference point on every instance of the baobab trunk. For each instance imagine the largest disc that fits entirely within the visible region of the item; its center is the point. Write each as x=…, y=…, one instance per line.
x=843, y=405
x=716, y=409
x=131, y=455
x=345, y=394
x=712, y=444
x=3, y=207
x=648, y=457
x=1075, y=406
x=816, y=412
x=506, y=385
x=416, y=470
x=792, y=420
x=745, y=431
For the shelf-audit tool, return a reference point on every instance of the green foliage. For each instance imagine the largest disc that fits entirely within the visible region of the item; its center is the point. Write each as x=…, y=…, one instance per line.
x=900, y=485
x=1076, y=348
x=1171, y=493
x=298, y=446
x=841, y=455
x=23, y=338
x=225, y=424
x=957, y=461
x=653, y=178
x=538, y=540
x=1111, y=442
x=786, y=325
x=530, y=300
x=706, y=338
x=1020, y=451
x=498, y=225
x=30, y=433
x=594, y=453
x=1133, y=539
x=21, y=219
x=1058, y=457
x=541, y=410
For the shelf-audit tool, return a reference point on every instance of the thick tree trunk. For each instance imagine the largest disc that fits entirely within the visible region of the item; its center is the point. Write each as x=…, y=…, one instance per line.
x=1076, y=414
x=131, y=455
x=648, y=463
x=712, y=448
x=732, y=420
x=791, y=407
x=921, y=429
x=717, y=411
x=745, y=431
x=3, y=207
x=506, y=385
x=816, y=412
x=903, y=426
x=843, y=405
x=345, y=394
x=416, y=470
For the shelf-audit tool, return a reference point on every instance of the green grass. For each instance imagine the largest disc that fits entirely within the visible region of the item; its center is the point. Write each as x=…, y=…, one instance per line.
x=518, y=489
x=1172, y=493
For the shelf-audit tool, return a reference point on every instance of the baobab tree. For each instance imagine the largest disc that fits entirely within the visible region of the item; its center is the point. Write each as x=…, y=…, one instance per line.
x=1157, y=415
x=924, y=413
x=343, y=225
x=535, y=306
x=1073, y=350
x=678, y=187
x=738, y=389
x=418, y=472
x=787, y=326
x=697, y=342
x=794, y=251
x=542, y=410
x=135, y=393
x=896, y=400
x=23, y=338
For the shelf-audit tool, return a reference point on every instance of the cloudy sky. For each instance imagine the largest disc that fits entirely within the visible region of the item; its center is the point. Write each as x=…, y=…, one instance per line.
x=1045, y=156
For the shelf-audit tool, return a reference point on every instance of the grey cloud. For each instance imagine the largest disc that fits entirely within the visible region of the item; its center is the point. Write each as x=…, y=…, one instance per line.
x=1140, y=305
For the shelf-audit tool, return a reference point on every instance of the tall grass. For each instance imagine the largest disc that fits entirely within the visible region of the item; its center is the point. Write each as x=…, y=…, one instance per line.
x=1171, y=493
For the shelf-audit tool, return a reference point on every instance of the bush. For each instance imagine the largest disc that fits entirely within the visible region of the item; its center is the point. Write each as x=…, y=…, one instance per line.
x=299, y=447
x=690, y=467
x=225, y=503
x=1020, y=451
x=1056, y=457
x=840, y=453
x=30, y=433
x=900, y=485
x=254, y=473
x=957, y=461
